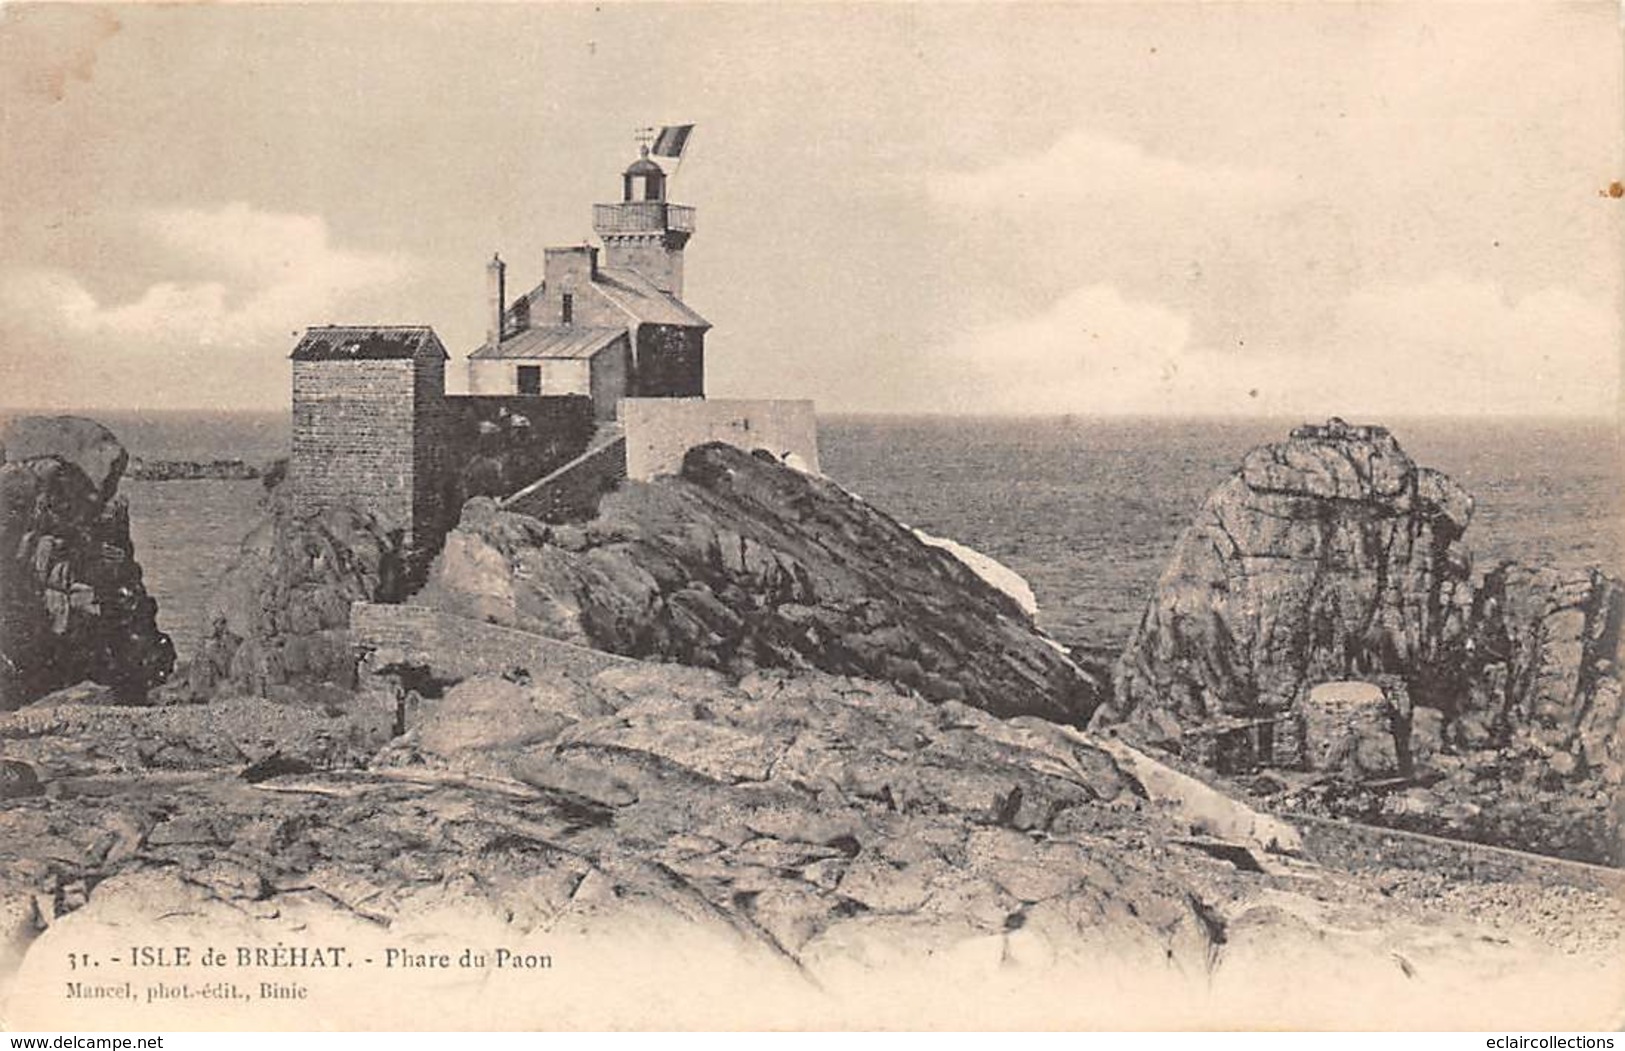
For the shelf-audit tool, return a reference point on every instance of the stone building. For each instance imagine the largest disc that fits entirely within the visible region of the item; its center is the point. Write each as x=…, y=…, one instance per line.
x=367, y=401
x=543, y=424
x=559, y=338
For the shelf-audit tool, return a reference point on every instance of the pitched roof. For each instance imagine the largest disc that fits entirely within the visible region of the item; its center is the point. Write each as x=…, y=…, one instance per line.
x=637, y=296
x=554, y=342
x=366, y=343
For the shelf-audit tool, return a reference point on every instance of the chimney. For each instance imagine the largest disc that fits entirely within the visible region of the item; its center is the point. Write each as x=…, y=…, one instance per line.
x=496, y=272
x=568, y=268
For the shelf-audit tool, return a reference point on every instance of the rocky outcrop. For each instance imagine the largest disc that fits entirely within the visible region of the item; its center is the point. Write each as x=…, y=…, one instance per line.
x=1331, y=557
x=1325, y=557
x=1542, y=664
x=1535, y=755
x=741, y=563
x=280, y=614
x=86, y=444
x=72, y=604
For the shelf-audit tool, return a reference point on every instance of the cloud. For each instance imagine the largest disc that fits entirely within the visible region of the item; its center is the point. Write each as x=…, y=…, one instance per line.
x=1446, y=347
x=183, y=340
x=1460, y=346
x=1219, y=243
x=241, y=243
x=1091, y=351
x=1087, y=167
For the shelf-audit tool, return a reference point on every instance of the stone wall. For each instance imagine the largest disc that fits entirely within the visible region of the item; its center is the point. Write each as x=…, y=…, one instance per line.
x=572, y=492
x=1356, y=847
x=660, y=431
x=433, y=508
x=354, y=437
x=495, y=445
x=567, y=417
x=454, y=647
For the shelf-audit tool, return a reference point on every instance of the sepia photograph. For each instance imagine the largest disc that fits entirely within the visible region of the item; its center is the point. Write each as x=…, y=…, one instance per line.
x=804, y=517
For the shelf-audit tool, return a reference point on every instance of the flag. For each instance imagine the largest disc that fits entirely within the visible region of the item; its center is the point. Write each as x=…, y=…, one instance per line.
x=671, y=140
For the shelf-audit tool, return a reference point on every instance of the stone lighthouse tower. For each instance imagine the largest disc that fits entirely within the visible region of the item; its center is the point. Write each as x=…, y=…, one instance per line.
x=645, y=232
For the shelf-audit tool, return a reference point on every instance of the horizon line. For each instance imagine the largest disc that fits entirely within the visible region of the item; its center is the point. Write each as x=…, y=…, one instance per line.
x=925, y=414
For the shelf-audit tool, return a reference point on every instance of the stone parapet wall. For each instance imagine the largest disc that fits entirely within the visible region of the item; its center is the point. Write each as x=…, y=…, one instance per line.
x=1365, y=848
x=454, y=647
x=661, y=431
x=572, y=492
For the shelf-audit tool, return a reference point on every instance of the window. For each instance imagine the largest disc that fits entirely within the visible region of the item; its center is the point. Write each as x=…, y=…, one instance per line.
x=530, y=379
x=568, y=310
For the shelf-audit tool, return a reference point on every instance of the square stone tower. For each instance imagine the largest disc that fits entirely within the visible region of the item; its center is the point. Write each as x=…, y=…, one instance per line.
x=368, y=402
x=644, y=232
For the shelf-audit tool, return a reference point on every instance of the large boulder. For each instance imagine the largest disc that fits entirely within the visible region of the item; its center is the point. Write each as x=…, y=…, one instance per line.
x=1324, y=590
x=1350, y=728
x=86, y=444
x=741, y=563
x=1329, y=556
x=280, y=614
x=72, y=603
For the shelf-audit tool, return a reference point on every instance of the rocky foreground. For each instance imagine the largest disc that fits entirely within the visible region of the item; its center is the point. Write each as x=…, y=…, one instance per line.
x=788, y=849
x=834, y=778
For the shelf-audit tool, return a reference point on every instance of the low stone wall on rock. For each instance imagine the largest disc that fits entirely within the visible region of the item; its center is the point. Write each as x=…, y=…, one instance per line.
x=571, y=493
x=454, y=647
x=1364, y=848
x=661, y=431
x=495, y=444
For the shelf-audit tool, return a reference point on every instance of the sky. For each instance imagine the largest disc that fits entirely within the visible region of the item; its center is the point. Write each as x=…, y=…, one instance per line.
x=1267, y=209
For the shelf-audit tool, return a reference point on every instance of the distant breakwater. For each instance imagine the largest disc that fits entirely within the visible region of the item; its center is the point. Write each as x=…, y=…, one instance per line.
x=191, y=470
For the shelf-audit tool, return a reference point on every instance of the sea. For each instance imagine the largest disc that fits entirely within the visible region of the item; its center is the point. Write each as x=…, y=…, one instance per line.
x=1086, y=509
